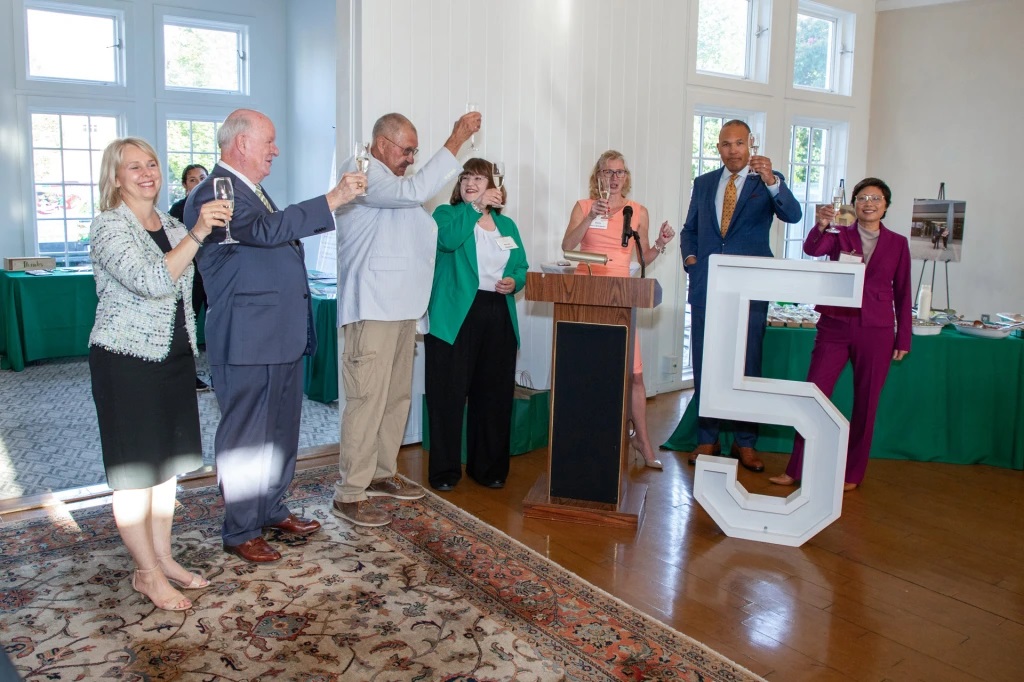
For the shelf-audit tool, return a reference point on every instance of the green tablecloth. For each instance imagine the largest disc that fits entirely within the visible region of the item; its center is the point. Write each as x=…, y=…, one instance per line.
x=954, y=398
x=47, y=316
x=321, y=380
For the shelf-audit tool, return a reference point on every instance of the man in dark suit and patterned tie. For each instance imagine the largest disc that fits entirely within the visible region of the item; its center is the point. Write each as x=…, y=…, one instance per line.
x=258, y=327
x=732, y=212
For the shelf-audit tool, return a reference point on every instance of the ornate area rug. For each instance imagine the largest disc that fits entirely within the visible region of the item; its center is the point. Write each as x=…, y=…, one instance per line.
x=437, y=595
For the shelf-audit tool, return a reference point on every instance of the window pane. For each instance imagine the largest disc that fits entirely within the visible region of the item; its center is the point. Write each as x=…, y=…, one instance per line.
x=92, y=41
x=814, y=189
x=812, y=67
x=201, y=58
x=722, y=36
x=188, y=142
x=65, y=170
x=817, y=145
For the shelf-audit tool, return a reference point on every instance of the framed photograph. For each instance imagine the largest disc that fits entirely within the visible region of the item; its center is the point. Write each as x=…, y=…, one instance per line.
x=937, y=230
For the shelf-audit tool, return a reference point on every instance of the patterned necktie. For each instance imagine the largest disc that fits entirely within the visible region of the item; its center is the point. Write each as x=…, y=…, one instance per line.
x=266, y=202
x=729, y=203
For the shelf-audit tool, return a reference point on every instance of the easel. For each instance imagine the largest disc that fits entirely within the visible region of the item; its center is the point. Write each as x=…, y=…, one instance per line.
x=924, y=263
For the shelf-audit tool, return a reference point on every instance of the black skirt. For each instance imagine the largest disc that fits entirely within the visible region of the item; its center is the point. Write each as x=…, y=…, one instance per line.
x=148, y=413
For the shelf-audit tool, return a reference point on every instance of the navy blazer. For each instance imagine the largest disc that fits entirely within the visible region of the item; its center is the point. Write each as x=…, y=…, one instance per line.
x=259, y=311
x=748, y=231
x=886, y=299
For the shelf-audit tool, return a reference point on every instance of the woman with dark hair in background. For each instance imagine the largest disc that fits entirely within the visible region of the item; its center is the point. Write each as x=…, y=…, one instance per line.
x=474, y=331
x=871, y=336
x=142, y=360
x=190, y=178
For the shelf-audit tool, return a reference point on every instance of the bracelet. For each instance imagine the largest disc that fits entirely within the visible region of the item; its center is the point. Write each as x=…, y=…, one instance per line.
x=196, y=239
x=476, y=207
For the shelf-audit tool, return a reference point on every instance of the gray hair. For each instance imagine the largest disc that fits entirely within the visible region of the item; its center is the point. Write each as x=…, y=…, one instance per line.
x=237, y=123
x=390, y=124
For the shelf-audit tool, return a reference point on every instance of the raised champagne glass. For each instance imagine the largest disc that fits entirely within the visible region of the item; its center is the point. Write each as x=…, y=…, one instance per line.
x=361, y=152
x=498, y=175
x=471, y=107
x=224, y=190
x=837, y=203
x=604, y=190
x=754, y=142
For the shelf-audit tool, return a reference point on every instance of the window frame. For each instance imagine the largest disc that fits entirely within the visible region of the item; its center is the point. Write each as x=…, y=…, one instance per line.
x=208, y=21
x=122, y=14
x=758, y=52
x=65, y=107
x=834, y=168
x=842, y=52
x=215, y=115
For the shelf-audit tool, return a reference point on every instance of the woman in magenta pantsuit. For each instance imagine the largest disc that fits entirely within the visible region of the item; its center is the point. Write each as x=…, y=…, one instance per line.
x=871, y=336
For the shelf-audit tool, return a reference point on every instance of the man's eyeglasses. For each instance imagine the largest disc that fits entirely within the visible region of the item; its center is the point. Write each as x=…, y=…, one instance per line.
x=869, y=199
x=407, y=151
x=620, y=173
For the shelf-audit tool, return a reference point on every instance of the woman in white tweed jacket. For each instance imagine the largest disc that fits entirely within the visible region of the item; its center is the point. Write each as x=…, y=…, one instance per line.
x=141, y=359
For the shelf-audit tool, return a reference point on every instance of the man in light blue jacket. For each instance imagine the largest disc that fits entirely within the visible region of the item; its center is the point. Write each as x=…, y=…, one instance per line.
x=386, y=246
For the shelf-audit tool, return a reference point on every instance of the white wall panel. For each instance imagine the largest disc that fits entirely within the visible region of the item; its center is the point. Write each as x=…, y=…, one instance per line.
x=558, y=82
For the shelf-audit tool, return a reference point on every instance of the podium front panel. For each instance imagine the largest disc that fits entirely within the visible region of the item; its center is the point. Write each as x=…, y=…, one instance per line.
x=590, y=366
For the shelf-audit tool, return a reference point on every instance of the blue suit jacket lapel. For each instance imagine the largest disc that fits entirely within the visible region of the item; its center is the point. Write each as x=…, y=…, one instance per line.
x=748, y=188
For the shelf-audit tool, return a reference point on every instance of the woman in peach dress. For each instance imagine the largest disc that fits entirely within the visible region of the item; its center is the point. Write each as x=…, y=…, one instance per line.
x=590, y=230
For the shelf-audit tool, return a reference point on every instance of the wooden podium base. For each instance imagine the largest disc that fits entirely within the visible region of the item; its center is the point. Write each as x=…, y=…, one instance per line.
x=538, y=504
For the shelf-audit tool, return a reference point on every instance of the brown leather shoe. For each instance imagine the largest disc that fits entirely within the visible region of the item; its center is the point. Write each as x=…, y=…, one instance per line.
x=747, y=457
x=296, y=525
x=255, y=551
x=704, y=449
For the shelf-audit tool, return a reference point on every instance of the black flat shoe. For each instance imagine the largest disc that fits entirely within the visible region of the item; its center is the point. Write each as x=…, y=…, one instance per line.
x=444, y=487
x=495, y=484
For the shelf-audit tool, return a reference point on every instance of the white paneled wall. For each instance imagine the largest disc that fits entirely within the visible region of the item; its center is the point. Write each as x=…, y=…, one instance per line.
x=558, y=82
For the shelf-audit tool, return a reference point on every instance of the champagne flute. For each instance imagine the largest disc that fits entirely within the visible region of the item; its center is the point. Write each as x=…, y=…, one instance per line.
x=604, y=190
x=754, y=142
x=498, y=175
x=361, y=152
x=471, y=107
x=223, y=190
x=837, y=203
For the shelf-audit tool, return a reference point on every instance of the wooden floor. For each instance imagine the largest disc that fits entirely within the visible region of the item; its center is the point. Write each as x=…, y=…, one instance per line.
x=922, y=578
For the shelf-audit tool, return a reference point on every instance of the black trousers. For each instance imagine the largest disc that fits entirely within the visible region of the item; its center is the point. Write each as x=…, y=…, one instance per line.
x=479, y=368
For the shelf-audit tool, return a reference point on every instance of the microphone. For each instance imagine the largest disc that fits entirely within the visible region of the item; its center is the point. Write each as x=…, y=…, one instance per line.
x=627, y=231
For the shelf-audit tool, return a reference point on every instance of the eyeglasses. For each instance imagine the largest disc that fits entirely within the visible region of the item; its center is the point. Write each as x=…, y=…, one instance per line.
x=620, y=173
x=407, y=151
x=869, y=199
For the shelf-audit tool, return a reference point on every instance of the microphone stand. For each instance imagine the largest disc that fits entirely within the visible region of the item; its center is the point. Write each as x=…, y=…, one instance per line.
x=640, y=254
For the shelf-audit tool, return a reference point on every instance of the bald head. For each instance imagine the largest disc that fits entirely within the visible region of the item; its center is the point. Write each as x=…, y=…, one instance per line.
x=247, y=143
x=395, y=142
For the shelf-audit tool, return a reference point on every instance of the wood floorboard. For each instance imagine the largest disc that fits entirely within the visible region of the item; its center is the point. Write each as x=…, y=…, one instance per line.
x=921, y=578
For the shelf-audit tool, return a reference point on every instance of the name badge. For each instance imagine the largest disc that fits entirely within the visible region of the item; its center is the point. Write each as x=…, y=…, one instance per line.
x=850, y=257
x=506, y=243
x=599, y=223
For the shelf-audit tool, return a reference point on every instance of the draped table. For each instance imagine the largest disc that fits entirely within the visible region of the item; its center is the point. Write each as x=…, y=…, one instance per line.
x=954, y=398
x=45, y=316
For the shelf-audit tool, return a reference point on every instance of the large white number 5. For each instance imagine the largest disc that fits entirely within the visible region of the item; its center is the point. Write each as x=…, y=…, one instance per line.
x=727, y=394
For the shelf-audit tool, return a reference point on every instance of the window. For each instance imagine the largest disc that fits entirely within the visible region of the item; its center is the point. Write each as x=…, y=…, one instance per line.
x=66, y=152
x=95, y=34
x=733, y=38
x=188, y=142
x=823, y=55
x=204, y=56
x=814, y=170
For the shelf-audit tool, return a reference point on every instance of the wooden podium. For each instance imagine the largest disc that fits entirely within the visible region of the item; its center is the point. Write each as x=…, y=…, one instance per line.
x=587, y=480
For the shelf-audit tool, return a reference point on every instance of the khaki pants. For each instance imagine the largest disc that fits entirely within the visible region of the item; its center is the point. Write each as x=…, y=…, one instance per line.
x=376, y=370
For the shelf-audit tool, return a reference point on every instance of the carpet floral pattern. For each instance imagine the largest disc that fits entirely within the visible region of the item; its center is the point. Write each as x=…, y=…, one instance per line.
x=437, y=595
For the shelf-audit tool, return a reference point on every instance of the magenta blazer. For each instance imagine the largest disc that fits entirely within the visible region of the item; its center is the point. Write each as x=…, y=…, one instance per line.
x=887, y=298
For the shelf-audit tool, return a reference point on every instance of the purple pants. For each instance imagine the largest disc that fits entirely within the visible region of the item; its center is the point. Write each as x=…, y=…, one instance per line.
x=870, y=350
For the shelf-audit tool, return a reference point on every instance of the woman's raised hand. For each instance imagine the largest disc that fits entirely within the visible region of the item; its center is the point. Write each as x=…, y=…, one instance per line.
x=824, y=214
x=212, y=214
x=599, y=209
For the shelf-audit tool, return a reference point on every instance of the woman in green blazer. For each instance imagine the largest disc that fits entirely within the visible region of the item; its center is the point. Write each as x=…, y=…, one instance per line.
x=474, y=332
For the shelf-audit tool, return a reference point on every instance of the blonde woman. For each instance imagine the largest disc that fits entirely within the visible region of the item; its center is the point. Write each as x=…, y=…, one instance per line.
x=141, y=359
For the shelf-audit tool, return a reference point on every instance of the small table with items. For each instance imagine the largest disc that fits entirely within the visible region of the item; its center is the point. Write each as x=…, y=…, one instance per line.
x=955, y=398
x=45, y=316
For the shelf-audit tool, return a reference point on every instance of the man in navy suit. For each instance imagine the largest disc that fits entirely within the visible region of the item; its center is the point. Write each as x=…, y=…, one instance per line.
x=258, y=327
x=732, y=212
